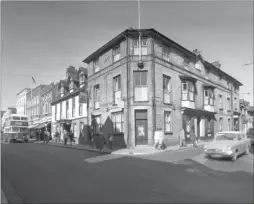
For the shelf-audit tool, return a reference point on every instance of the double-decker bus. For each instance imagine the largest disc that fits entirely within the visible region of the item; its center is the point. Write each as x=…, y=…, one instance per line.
x=16, y=128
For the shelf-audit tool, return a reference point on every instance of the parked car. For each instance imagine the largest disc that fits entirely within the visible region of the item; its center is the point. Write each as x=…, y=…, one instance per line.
x=250, y=135
x=229, y=144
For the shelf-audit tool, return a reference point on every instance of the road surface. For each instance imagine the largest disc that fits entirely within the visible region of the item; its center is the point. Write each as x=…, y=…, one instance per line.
x=45, y=174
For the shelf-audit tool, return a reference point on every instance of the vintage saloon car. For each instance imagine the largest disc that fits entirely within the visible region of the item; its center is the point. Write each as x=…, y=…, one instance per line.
x=228, y=144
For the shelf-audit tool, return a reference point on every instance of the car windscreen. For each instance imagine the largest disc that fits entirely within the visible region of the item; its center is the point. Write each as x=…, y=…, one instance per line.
x=227, y=136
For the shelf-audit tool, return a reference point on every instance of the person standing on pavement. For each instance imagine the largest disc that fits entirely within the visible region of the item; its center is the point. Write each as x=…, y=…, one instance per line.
x=71, y=137
x=193, y=136
x=182, y=138
x=66, y=136
x=47, y=134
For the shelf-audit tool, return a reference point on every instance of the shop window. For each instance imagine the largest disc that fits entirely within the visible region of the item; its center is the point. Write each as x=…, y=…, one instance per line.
x=166, y=89
x=188, y=91
x=96, y=124
x=118, y=122
x=140, y=86
x=167, y=122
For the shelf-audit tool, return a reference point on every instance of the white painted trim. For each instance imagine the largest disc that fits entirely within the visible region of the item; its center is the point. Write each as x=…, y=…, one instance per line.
x=115, y=110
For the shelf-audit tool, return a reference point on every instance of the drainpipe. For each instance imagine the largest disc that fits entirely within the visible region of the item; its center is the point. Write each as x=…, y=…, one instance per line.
x=232, y=109
x=153, y=90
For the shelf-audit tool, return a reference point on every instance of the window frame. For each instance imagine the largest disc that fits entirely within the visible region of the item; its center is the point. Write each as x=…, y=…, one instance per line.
x=116, y=79
x=116, y=52
x=96, y=65
x=209, y=98
x=167, y=91
x=140, y=84
x=220, y=102
x=143, y=46
x=96, y=95
x=73, y=107
x=229, y=103
x=170, y=121
x=67, y=108
x=114, y=122
x=189, y=85
x=80, y=109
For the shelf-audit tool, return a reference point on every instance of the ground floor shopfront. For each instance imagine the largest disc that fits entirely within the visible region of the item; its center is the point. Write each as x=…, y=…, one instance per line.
x=77, y=126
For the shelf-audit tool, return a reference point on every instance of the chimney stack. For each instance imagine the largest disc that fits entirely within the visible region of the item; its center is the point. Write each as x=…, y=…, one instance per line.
x=196, y=52
x=217, y=64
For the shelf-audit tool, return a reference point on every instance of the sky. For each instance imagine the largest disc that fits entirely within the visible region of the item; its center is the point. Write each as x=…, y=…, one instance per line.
x=42, y=39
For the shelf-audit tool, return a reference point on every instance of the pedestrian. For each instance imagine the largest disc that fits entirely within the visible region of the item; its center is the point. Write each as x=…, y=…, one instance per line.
x=71, y=137
x=66, y=136
x=47, y=133
x=182, y=138
x=193, y=137
x=44, y=134
x=102, y=141
x=110, y=140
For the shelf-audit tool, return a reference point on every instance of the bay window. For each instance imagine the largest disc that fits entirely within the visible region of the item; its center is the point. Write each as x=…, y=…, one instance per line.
x=188, y=91
x=118, y=122
x=166, y=89
x=167, y=122
x=144, y=48
x=73, y=107
x=97, y=96
x=208, y=97
x=140, y=86
x=117, y=89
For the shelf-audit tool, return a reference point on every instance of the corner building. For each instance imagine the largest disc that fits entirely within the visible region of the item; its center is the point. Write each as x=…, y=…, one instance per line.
x=175, y=88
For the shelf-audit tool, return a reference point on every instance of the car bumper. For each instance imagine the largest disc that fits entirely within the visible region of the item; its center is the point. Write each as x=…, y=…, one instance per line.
x=218, y=154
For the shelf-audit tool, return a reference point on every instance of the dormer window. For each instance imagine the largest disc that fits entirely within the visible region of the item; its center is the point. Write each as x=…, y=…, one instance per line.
x=96, y=65
x=116, y=53
x=198, y=66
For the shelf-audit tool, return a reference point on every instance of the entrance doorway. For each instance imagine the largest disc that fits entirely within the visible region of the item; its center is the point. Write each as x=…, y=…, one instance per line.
x=141, y=127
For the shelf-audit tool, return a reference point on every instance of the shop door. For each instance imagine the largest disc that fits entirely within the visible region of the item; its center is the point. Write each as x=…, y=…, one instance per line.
x=141, y=127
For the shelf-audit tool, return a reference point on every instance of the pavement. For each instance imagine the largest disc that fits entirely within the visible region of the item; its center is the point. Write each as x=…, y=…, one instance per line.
x=44, y=174
x=138, y=150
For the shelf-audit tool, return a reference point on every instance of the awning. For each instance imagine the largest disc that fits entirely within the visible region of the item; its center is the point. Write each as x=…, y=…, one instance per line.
x=207, y=86
x=64, y=121
x=33, y=126
x=199, y=112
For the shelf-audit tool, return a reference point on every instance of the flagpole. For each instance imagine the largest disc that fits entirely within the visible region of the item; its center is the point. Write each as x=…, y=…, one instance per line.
x=139, y=37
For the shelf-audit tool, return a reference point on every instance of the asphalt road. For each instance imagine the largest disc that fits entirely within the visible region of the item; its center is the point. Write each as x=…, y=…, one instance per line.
x=44, y=174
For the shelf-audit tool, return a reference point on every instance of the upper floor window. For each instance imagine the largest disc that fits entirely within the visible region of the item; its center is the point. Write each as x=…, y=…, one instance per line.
x=229, y=124
x=188, y=91
x=97, y=96
x=96, y=65
x=117, y=88
x=235, y=104
x=116, y=53
x=73, y=107
x=220, y=102
x=166, y=89
x=80, y=109
x=209, y=97
x=198, y=66
x=81, y=78
x=165, y=54
x=221, y=124
x=67, y=108
x=229, y=103
x=140, y=86
x=144, y=48
x=186, y=62
x=71, y=86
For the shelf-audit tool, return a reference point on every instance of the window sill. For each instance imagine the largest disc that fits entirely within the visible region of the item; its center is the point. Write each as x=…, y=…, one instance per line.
x=168, y=133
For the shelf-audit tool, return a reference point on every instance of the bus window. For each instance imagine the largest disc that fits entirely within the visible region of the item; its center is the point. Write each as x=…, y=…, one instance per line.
x=15, y=118
x=15, y=129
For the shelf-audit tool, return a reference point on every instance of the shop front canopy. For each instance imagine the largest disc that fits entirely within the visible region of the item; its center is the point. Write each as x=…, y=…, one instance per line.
x=199, y=112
